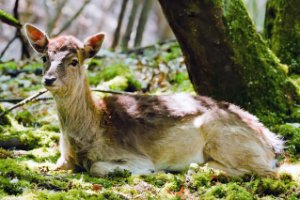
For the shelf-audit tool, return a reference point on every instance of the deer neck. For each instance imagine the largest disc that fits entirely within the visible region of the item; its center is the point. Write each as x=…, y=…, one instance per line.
x=76, y=110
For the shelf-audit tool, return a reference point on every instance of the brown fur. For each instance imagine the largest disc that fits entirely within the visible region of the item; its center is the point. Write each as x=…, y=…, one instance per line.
x=144, y=133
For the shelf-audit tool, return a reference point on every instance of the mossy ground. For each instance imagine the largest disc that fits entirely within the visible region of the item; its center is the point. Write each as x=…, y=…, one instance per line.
x=25, y=171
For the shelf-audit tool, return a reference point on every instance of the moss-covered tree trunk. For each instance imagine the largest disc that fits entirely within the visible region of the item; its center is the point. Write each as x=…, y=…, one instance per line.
x=226, y=58
x=282, y=29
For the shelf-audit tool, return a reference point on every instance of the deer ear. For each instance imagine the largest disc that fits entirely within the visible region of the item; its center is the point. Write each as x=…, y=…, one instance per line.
x=37, y=38
x=92, y=44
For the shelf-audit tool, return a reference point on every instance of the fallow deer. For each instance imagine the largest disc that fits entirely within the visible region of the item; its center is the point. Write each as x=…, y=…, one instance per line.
x=145, y=133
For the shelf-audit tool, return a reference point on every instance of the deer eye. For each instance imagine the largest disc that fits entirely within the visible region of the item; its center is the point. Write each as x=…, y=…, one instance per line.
x=44, y=58
x=74, y=62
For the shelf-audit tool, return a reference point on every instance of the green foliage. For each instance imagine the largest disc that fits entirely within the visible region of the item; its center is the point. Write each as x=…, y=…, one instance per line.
x=231, y=191
x=25, y=117
x=269, y=186
x=16, y=177
x=5, y=119
x=157, y=180
x=29, y=138
x=5, y=67
x=5, y=153
x=114, y=70
x=116, y=77
x=118, y=173
x=291, y=134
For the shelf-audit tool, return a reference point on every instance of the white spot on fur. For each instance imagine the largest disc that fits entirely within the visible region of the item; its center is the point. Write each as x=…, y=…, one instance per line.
x=198, y=122
x=183, y=101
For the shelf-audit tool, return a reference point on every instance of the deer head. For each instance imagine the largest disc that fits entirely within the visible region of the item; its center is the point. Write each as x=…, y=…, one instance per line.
x=63, y=58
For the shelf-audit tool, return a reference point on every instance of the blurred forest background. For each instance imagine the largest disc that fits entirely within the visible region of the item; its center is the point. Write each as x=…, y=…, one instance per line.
x=142, y=22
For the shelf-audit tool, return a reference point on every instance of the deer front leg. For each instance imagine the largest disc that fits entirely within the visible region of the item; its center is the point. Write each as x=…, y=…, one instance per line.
x=65, y=161
x=135, y=166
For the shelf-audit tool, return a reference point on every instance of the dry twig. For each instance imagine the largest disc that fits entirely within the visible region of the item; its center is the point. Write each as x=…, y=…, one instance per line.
x=68, y=23
x=35, y=98
x=25, y=101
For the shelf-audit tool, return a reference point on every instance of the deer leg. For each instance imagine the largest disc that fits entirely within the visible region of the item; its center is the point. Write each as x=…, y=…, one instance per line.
x=237, y=158
x=64, y=162
x=135, y=166
x=228, y=170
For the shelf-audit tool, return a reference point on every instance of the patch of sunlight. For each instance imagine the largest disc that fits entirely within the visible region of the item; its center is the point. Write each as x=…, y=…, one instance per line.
x=292, y=169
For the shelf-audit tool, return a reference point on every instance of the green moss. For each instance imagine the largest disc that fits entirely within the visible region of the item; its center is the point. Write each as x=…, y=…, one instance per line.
x=237, y=192
x=118, y=83
x=117, y=173
x=5, y=67
x=28, y=138
x=231, y=191
x=282, y=29
x=5, y=153
x=202, y=180
x=5, y=119
x=216, y=192
x=291, y=134
x=106, y=183
x=172, y=52
x=15, y=178
x=271, y=187
x=112, y=71
x=175, y=184
x=25, y=117
x=158, y=180
x=51, y=128
x=116, y=77
x=7, y=18
x=78, y=194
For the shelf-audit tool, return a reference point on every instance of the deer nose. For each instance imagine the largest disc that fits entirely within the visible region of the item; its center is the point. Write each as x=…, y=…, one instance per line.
x=49, y=81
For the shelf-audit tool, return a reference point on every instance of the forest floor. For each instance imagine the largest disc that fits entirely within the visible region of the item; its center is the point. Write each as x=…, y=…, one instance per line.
x=29, y=138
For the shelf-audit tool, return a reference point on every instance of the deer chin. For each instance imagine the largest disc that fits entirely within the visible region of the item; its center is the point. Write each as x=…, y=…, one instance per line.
x=55, y=89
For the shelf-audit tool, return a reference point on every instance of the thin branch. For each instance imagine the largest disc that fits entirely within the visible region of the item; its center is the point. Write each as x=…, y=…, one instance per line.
x=7, y=46
x=35, y=98
x=120, y=21
x=25, y=101
x=112, y=91
x=17, y=100
x=10, y=20
x=15, y=10
x=25, y=50
x=140, y=50
x=68, y=23
x=53, y=22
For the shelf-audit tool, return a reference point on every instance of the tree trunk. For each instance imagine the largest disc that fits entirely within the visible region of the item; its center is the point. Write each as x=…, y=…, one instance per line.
x=120, y=21
x=131, y=20
x=142, y=22
x=24, y=44
x=226, y=58
x=282, y=29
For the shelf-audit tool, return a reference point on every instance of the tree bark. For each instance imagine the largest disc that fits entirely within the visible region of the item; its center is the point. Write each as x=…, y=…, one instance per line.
x=120, y=21
x=142, y=22
x=131, y=20
x=225, y=57
x=282, y=29
x=24, y=44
